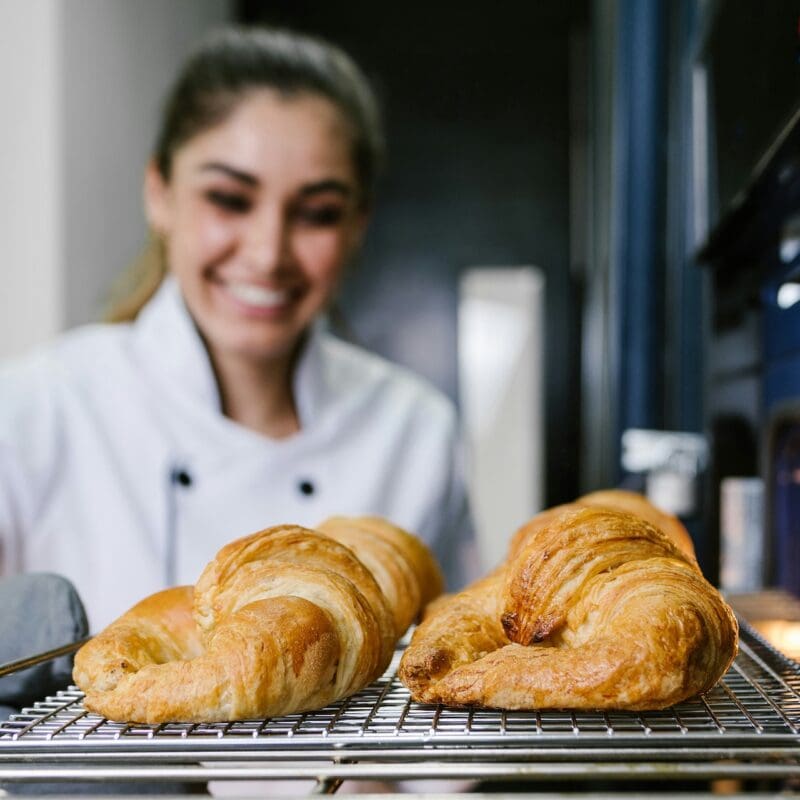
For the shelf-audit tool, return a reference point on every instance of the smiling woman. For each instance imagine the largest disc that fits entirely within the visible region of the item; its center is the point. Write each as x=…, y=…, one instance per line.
x=259, y=216
x=216, y=403
x=259, y=192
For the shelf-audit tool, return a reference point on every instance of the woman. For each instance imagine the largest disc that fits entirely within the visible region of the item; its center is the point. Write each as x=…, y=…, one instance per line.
x=129, y=453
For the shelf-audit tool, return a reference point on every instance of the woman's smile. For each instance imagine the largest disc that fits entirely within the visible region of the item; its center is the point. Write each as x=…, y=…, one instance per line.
x=252, y=299
x=259, y=298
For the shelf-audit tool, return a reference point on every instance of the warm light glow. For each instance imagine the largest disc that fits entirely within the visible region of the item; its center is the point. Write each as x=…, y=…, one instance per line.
x=781, y=634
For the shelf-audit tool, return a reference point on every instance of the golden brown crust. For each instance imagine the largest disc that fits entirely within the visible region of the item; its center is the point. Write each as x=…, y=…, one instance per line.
x=403, y=566
x=415, y=551
x=456, y=630
x=285, y=620
x=620, y=500
x=555, y=565
x=594, y=608
x=158, y=629
x=536, y=523
x=244, y=571
x=268, y=656
x=634, y=503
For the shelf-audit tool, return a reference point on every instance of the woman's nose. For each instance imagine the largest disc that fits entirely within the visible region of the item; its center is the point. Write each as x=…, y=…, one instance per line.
x=267, y=242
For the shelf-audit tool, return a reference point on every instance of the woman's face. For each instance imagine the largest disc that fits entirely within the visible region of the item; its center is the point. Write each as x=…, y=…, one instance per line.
x=259, y=216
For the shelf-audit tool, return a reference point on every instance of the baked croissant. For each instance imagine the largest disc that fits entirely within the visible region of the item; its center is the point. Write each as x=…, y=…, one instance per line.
x=402, y=565
x=595, y=608
x=637, y=504
x=284, y=620
x=620, y=500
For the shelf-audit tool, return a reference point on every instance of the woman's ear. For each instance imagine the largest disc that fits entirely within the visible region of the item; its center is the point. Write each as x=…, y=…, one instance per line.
x=157, y=205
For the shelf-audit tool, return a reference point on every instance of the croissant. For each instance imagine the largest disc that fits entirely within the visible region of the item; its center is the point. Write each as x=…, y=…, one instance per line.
x=623, y=500
x=620, y=500
x=287, y=619
x=594, y=608
x=402, y=565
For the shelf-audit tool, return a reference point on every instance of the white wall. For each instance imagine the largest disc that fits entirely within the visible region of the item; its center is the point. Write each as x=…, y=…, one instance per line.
x=118, y=59
x=82, y=86
x=30, y=280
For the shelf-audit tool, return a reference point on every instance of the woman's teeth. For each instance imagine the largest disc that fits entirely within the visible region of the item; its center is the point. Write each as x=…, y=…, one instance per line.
x=258, y=296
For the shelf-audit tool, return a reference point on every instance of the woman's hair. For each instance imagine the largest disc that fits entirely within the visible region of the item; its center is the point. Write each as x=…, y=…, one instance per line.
x=224, y=69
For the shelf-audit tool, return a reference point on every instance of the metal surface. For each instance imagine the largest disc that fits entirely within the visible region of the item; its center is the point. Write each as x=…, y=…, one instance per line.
x=747, y=726
x=23, y=663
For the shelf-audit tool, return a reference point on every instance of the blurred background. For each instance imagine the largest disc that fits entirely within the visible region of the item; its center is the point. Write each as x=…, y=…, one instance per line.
x=587, y=234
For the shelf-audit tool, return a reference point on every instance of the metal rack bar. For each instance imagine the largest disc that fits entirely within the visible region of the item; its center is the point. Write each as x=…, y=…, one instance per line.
x=746, y=727
x=585, y=770
x=15, y=666
x=443, y=754
x=792, y=726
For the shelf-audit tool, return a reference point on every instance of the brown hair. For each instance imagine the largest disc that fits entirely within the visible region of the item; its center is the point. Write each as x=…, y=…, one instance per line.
x=227, y=65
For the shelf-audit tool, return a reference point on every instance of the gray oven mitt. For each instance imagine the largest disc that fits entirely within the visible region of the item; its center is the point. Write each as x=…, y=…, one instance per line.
x=38, y=612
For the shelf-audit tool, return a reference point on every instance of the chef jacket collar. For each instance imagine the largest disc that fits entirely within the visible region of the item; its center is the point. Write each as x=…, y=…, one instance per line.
x=174, y=346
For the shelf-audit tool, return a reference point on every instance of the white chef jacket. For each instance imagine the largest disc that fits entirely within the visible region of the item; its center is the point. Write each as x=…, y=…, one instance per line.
x=119, y=471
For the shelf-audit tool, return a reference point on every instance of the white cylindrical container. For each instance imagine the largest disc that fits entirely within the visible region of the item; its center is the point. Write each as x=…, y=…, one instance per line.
x=741, y=535
x=672, y=491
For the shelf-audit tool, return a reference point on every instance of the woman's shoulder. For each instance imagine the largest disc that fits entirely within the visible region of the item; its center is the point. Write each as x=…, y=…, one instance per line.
x=46, y=370
x=353, y=369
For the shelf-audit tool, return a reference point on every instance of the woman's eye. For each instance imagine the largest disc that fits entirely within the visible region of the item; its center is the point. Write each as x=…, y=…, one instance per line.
x=321, y=216
x=229, y=201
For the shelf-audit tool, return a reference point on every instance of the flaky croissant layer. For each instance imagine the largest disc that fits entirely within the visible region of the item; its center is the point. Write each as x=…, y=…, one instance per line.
x=594, y=608
x=285, y=620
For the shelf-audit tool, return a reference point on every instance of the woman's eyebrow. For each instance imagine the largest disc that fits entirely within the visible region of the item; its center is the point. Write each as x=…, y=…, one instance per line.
x=319, y=187
x=232, y=172
x=330, y=185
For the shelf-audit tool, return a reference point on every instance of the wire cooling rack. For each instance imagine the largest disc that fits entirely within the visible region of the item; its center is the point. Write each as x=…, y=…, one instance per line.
x=748, y=725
